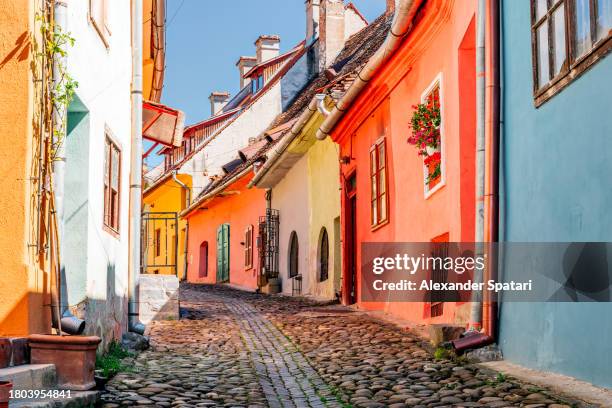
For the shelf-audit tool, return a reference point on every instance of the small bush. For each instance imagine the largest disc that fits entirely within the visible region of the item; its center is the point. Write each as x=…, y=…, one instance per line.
x=111, y=362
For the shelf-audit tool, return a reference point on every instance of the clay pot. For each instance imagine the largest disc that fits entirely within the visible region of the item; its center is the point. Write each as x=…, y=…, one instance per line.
x=5, y=393
x=74, y=358
x=5, y=352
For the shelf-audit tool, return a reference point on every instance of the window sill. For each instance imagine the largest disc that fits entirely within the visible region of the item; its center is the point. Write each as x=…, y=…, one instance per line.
x=111, y=231
x=438, y=187
x=379, y=225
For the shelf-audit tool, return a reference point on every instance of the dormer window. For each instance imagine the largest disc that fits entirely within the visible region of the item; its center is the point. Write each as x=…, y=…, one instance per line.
x=257, y=83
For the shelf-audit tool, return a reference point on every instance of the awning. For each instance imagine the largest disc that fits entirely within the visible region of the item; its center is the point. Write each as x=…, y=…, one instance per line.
x=161, y=124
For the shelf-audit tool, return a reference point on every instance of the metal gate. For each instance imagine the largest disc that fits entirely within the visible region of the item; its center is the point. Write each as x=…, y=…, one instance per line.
x=268, y=243
x=159, y=249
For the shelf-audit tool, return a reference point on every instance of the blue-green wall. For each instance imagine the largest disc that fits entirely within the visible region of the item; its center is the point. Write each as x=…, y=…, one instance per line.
x=556, y=187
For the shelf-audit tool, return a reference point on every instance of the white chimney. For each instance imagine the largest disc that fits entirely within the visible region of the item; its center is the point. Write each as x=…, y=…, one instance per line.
x=268, y=47
x=244, y=65
x=331, y=31
x=217, y=101
x=312, y=20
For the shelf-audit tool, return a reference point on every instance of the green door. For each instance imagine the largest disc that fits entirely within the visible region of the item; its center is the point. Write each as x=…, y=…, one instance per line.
x=223, y=248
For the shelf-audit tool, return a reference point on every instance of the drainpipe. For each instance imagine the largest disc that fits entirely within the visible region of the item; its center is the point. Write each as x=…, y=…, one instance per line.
x=484, y=313
x=401, y=26
x=68, y=323
x=476, y=311
x=134, y=324
x=184, y=187
x=490, y=308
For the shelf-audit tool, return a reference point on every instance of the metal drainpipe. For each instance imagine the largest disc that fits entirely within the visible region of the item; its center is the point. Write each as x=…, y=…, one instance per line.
x=187, y=204
x=134, y=324
x=476, y=310
x=69, y=323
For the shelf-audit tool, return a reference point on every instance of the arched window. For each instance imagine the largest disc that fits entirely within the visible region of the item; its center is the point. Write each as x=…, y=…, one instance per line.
x=293, y=254
x=203, y=259
x=323, y=255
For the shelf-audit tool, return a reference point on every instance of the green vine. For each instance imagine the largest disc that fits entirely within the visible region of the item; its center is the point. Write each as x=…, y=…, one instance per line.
x=63, y=86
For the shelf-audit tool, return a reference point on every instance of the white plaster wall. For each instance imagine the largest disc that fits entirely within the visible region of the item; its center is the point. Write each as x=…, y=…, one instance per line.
x=104, y=77
x=224, y=147
x=290, y=197
x=352, y=23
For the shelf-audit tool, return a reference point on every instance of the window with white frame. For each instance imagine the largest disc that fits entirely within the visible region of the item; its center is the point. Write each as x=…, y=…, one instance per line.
x=433, y=159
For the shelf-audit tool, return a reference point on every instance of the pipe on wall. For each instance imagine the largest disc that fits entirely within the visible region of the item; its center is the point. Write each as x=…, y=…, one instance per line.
x=134, y=324
x=68, y=322
x=187, y=204
x=401, y=26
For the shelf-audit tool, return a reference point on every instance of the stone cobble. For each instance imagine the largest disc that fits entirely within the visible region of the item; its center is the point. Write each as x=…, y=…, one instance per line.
x=234, y=348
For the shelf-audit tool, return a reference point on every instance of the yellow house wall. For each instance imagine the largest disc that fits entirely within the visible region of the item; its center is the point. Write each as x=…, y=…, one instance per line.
x=147, y=60
x=167, y=197
x=324, y=200
x=23, y=284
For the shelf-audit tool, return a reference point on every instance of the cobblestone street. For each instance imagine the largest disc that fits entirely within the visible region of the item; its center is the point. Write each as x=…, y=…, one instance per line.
x=239, y=349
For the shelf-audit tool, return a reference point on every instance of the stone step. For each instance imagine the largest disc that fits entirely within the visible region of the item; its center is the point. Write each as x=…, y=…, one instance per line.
x=77, y=399
x=30, y=376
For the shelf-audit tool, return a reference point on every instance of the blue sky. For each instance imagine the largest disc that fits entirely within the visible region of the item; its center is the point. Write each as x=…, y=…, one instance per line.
x=204, y=39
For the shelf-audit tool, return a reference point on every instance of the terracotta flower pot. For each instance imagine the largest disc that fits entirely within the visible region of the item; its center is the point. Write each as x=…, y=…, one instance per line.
x=74, y=358
x=5, y=393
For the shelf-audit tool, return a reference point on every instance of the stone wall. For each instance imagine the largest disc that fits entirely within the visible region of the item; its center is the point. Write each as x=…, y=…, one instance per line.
x=159, y=298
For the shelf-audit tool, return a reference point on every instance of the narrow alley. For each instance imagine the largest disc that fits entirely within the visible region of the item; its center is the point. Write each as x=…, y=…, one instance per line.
x=240, y=349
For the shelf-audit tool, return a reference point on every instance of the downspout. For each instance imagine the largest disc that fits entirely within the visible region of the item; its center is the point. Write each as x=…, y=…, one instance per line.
x=476, y=310
x=134, y=324
x=483, y=314
x=490, y=308
x=401, y=26
x=187, y=203
x=68, y=323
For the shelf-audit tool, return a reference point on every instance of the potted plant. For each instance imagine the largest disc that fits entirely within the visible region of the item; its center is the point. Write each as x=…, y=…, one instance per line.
x=426, y=120
x=5, y=393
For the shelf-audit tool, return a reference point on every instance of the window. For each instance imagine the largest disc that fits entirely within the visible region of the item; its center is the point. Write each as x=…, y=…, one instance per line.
x=98, y=14
x=293, y=254
x=378, y=180
x=257, y=83
x=568, y=36
x=433, y=165
x=112, y=182
x=323, y=256
x=248, y=247
x=157, y=242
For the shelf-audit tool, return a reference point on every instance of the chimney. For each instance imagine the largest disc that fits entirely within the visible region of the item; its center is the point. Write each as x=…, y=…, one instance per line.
x=244, y=64
x=313, y=8
x=331, y=31
x=217, y=101
x=268, y=47
x=391, y=6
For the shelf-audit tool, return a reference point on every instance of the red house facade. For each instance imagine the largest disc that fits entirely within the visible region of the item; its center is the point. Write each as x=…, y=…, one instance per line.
x=390, y=193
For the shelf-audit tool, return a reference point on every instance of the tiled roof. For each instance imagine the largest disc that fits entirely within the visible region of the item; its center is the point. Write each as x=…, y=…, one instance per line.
x=355, y=54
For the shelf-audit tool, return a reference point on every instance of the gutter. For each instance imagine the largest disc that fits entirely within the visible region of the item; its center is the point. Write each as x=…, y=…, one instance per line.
x=401, y=26
x=286, y=141
x=134, y=324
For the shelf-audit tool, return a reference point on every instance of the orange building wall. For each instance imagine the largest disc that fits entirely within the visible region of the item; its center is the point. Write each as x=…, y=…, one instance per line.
x=22, y=283
x=241, y=208
x=385, y=107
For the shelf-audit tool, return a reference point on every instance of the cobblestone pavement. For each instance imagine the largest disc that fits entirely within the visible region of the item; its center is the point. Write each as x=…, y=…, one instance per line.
x=240, y=349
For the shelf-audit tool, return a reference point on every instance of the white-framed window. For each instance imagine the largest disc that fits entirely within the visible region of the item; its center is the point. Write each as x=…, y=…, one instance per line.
x=434, y=175
x=98, y=15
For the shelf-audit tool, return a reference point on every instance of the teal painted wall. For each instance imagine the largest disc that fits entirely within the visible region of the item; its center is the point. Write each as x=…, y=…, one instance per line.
x=76, y=204
x=556, y=167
